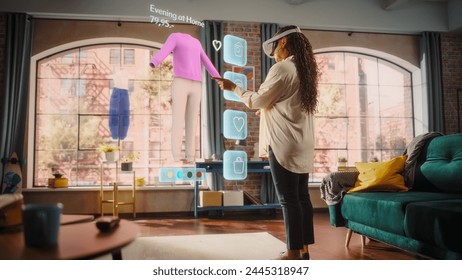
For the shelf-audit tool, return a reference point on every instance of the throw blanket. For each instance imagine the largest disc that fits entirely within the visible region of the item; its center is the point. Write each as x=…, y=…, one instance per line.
x=336, y=184
x=413, y=151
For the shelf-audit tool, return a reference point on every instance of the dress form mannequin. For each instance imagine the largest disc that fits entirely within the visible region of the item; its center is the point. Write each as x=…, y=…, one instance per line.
x=186, y=89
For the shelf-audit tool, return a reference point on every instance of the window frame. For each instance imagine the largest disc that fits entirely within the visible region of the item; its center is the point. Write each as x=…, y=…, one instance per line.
x=417, y=93
x=31, y=121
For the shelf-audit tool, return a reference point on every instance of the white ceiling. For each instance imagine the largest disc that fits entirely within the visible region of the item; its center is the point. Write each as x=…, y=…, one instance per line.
x=388, y=16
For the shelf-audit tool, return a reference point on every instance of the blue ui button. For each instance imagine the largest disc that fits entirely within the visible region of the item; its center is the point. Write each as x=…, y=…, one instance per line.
x=235, y=124
x=234, y=50
x=239, y=80
x=235, y=165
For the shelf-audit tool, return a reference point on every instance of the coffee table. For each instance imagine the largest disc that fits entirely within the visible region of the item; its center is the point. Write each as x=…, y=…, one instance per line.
x=76, y=241
x=67, y=219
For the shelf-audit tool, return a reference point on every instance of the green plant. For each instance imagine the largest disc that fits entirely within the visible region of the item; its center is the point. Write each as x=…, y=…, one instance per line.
x=107, y=148
x=342, y=159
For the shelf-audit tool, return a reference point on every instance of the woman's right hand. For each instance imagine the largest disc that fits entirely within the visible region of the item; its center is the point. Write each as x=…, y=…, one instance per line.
x=225, y=84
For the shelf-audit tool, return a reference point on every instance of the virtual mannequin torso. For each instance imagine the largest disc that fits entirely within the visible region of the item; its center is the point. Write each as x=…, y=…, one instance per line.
x=186, y=89
x=120, y=79
x=188, y=57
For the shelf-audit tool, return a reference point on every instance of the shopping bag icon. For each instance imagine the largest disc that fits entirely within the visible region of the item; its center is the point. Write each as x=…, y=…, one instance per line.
x=238, y=166
x=234, y=165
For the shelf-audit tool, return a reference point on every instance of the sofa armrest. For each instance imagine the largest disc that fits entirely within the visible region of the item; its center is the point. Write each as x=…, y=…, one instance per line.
x=335, y=215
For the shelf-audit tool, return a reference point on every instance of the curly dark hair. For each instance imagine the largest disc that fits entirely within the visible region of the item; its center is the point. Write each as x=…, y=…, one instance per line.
x=308, y=72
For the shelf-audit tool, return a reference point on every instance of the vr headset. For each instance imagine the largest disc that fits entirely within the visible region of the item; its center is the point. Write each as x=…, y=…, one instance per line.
x=270, y=45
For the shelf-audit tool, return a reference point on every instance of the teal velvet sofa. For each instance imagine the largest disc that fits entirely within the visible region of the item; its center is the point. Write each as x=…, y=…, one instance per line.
x=427, y=219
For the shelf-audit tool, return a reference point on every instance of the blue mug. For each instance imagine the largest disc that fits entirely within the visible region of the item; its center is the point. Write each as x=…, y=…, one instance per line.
x=41, y=224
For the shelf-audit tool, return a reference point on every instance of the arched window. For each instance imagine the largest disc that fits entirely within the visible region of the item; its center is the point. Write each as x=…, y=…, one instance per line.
x=365, y=110
x=73, y=95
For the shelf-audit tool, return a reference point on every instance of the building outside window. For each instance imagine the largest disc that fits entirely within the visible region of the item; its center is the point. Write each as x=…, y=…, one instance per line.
x=129, y=56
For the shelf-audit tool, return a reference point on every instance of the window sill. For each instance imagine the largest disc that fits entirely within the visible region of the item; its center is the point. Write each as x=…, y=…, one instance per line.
x=124, y=187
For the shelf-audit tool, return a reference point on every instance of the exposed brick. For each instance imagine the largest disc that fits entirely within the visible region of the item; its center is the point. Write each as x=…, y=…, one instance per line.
x=251, y=33
x=451, y=57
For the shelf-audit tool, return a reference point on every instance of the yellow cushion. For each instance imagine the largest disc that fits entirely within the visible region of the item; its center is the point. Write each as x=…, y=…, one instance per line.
x=380, y=176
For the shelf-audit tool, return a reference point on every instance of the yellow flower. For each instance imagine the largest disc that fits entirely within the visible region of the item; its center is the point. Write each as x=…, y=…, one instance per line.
x=107, y=148
x=130, y=157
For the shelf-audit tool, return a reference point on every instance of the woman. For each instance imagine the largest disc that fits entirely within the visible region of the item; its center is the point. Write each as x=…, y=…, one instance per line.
x=287, y=100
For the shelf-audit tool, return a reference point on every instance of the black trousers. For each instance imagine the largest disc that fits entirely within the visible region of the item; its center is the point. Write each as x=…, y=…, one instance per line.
x=297, y=210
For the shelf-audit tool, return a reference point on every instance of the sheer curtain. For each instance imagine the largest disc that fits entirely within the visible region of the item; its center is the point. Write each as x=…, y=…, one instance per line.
x=214, y=102
x=13, y=109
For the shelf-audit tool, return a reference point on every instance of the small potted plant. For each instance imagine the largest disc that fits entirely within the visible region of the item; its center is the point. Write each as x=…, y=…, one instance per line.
x=109, y=150
x=342, y=161
x=140, y=182
x=373, y=159
x=126, y=162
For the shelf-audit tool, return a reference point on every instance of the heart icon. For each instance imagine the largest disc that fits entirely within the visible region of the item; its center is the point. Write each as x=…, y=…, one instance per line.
x=238, y=123
x=216, y=44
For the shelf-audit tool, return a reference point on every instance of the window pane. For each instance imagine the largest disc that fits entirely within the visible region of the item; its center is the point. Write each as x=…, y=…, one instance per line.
x=129, y=56
x=114, y=56
x=55, y=145
x=93, y=131
x=73, y=112
x=95, y=96
x=395, y=101
x=332, y=67
x=363, y=100
x=64, y=65
x=332, y=100
x=362, y=133
x=331, y=133
x=361, y=70
x=396, y=133
x=365, y=110
x=57, y=96
x=393, y=75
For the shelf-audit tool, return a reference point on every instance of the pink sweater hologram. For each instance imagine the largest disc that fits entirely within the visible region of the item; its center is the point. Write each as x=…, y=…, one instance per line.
x=188, y=57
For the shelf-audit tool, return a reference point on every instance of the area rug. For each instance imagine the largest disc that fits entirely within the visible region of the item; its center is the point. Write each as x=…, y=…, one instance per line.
x=237, y=246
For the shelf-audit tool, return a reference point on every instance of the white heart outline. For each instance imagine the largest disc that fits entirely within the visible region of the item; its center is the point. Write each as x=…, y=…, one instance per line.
x=236, y=122
x=216, y=45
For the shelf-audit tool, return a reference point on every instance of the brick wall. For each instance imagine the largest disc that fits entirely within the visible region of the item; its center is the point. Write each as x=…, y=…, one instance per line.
x=251, y=33
x=451, y=60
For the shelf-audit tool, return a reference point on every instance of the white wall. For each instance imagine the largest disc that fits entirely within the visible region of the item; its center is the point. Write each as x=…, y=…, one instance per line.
x=355, y=15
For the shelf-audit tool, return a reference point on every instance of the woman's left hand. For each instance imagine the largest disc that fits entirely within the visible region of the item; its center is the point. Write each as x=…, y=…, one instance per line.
x=225, y=84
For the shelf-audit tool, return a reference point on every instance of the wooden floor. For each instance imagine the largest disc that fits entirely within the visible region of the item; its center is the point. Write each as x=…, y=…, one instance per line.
x=329, y=241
